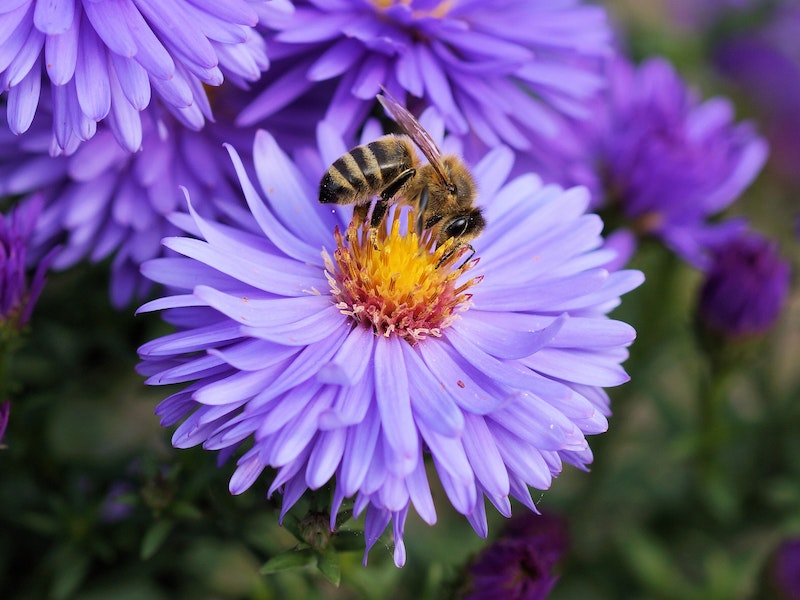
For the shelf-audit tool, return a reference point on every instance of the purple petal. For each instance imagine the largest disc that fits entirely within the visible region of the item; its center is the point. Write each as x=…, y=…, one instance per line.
x=23, y=99
x=508, y=341
x=360, y=446
x=53, y=17
x=263, y=312
x=247, y=471
x=325, y=457
x=352, y=359
x=430, y=403
x=394, y=403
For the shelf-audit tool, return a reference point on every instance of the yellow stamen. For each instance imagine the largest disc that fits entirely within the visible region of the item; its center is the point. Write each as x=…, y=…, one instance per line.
x=396, y=282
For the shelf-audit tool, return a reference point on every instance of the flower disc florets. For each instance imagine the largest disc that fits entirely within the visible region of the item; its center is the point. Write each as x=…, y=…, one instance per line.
x=392, y=280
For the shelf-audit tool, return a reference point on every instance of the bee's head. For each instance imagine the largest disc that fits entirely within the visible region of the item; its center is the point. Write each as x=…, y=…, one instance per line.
x=463, y=227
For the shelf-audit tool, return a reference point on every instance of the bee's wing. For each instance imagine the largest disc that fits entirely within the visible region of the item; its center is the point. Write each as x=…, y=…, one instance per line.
x=415, y=131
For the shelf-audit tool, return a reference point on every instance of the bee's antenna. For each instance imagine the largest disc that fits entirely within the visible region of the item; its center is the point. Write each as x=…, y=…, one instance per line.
x=423, y=204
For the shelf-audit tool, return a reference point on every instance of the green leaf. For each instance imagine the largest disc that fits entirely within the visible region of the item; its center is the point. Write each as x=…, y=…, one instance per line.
x=187, y=511
x=71, y=572
x=154, y=538
x=292, y=525
x=293, y=559
x=346, y=540
x=328, y=564
x=343, y=517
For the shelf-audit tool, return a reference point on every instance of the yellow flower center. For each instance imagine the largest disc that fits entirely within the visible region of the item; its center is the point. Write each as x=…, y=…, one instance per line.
x=397, y=283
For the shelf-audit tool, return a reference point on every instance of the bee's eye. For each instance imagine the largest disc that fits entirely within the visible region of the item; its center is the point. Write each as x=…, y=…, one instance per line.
x=457, y=227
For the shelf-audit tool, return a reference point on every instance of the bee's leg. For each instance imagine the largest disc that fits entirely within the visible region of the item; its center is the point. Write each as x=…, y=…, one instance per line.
x=423, y=204
x=381, y=206
x=360, y=212
x=390, y=191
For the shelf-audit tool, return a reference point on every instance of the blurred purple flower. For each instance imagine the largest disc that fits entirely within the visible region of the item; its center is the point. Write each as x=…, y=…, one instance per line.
x=18, y=291
x=103, y=200
x=292, y=335
x=786, y=569
x=105, y=60
x=5, y=412
x=519, y=565
x=667, y=161
x=746, y=287
x=764, y=61
x=701, y=14
x=496, y=82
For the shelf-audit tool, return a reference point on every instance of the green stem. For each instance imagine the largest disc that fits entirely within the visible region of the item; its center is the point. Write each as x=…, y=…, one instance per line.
x=712, y=437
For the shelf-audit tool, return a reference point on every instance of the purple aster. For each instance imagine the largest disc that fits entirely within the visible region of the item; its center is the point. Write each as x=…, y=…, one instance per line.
x=105, y=60
x=102, y=200
x=765, y=63
x=665, y=159
x=786, y=569
x=308, y=347
x=698, y=14
x=520, y=565
x=19, y=289
x=5, y=412
x=502, y=72
x=746, y=287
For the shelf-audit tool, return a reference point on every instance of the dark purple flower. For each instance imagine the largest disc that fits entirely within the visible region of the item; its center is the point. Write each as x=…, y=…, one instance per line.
x=5, y=412
x=786, y=569
x=102, y=200
x=665, y=160
x=105, y=60
x=331, y=357
x=496, y=71
x=19, y=290
x=519, y=565
x=746, y=287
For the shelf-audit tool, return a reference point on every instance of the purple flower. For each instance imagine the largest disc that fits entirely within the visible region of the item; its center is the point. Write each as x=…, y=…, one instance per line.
x=500, y=72
x=103, y=200
x=667, y=161
x=330, y=351
x=5, y=412
x=746, y=287
x=765, y=64
x=105, y=60
x=18, y=291
x=698, y=14
x=520, y=565
x=786, y=569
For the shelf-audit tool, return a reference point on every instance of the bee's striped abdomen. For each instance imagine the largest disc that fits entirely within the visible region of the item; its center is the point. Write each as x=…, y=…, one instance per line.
x=364, y=171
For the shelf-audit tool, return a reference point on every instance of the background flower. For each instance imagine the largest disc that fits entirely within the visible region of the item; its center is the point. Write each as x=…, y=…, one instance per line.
x=500, y=395
x=746, y=287
x=490, y=82
x=20, y=283
x=665, y=160
x=520, y=564
x=103, y=201
x=105, y=60
x=764, y=65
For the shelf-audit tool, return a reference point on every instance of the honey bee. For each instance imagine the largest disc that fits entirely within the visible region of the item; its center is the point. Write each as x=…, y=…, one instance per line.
x=442, y=189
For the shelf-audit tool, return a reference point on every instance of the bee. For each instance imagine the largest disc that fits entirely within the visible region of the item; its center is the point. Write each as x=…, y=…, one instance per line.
x=442, y=189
